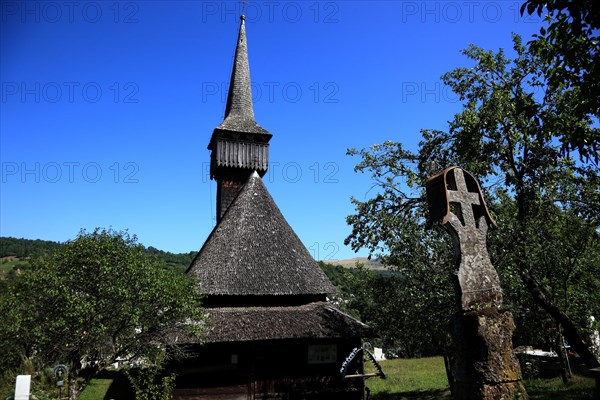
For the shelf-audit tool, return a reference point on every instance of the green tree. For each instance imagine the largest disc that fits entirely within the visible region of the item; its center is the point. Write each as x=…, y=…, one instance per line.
x=563, y=253
x=412, y=308
x=506, y=135
x=150, y=382
x=98, y=299
x=569, y=46
x=400, y=307
x=510, y=120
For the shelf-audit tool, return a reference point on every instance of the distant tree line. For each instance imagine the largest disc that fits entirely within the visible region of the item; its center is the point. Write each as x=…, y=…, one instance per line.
x=30, y=249
x=180, y=261
x=26, y=248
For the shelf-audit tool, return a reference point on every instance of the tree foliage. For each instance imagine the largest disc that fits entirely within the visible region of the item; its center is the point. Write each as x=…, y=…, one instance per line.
x=411, y=310
x=99, y=299
x=563, y=254
x=150, y=382
x=408, y=315
x=569, y=46
x=508, y=135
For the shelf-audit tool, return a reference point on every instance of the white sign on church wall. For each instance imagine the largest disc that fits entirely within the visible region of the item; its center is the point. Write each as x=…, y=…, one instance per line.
x=322, y=354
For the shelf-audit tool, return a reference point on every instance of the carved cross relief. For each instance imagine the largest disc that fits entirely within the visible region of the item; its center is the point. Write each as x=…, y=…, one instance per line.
x=454, y=197
x=465, y=200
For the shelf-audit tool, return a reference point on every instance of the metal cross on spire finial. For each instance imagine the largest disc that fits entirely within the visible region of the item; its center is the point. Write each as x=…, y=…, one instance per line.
x=243, y=6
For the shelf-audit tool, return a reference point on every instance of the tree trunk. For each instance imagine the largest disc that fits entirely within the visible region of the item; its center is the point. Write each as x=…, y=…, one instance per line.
x=569, y=329
x=73, y=387
x=562, y=320
x=562, y=364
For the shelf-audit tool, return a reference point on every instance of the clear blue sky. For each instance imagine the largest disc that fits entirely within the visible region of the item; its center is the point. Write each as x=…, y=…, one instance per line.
x=107, y=107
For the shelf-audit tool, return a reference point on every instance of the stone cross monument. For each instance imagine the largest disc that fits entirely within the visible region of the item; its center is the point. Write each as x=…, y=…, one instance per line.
x=485, y=366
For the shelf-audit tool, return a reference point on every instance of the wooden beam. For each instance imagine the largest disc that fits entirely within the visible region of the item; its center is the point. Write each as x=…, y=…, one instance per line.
x=361, y=376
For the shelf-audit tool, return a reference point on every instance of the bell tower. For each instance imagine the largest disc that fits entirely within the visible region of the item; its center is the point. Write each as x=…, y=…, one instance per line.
x=238, y=146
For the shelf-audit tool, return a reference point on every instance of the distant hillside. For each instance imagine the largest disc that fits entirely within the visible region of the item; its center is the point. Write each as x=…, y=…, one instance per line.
x=26, y=248
x=15, y=252
x=373, y=264
x=180, y=261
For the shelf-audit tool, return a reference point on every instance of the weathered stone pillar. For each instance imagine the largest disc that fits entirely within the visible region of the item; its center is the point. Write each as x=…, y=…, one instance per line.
x=485, y=366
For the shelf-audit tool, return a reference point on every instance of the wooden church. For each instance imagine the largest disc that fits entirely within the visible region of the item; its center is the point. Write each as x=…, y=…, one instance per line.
x=272, y=334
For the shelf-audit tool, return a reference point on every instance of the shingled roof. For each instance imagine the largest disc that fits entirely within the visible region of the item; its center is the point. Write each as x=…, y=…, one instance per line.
x=239, y=113
x=253, y=251
x=310, y=321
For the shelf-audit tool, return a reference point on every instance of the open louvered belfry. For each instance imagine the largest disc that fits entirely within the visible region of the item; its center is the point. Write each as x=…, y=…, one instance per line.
x=238, y=146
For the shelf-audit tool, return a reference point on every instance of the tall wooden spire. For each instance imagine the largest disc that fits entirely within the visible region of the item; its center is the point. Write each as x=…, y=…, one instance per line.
x=239, y=146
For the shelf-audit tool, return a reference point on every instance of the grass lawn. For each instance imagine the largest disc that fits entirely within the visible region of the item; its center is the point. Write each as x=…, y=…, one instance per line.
x=97, y=389
x=108, y=385
x=423, y=378
x=578, y=388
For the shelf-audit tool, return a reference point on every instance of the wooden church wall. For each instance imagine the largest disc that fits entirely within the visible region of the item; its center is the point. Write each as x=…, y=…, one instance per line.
x=283, y=369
